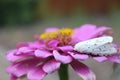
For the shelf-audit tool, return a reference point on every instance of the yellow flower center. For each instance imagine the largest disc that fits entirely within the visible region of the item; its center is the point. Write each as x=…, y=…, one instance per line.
x=62, y=35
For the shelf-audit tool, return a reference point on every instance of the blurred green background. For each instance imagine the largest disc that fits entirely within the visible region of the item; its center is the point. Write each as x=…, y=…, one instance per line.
x=21, y=19
x=26, y=12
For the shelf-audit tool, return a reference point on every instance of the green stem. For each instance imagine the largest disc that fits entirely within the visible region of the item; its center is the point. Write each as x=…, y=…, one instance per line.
x=63, y=72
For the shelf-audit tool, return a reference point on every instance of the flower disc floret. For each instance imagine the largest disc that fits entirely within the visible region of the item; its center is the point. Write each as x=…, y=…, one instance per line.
x=64, y=36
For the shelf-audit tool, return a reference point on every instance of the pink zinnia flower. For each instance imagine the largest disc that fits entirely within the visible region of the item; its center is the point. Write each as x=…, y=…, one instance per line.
x=53, y=48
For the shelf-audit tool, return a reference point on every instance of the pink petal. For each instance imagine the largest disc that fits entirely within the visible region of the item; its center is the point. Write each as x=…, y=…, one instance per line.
x=52, y=29
x=100, y=31
x=66, y=48
x=84, y=32
x=114, y=58
x=42, y=53
x=88, y=31
x=17, y=72
x=12, y=57
x=100, y=58
x=108, y=31
x=62, y=58
x=22, y=44
x=36, y=74
x=24, y=50
x=83, y=71
x=13, y=77
x=53, y=43
x=78, y=56
x=36, y=45
x=21, y=68
x=37, y=37
x=51, y=66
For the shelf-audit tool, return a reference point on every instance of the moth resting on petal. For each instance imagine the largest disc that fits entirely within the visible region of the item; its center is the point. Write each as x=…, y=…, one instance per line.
x=97, y=46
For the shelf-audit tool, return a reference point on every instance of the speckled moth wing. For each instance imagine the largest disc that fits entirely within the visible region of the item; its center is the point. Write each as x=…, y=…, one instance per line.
x=106, y=49
x=97, y=46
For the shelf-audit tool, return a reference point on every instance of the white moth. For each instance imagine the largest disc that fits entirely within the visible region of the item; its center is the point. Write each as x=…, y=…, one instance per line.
x=97, y=46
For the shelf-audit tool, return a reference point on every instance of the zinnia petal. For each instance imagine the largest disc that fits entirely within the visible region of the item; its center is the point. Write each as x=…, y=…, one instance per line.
x=62, y=58
x=24, y=50
x=51, y=29
x=78, y=56
x=13, y=77
x=36, y=73
x=21, y=68
x=36, y=45
x=66, y=48
x=100, y=58
x=88, y=31
x=83, y=71
x=101, y=31
x=51, y=66
x=84, y=32
x=53, y=43
x=42, y=53
x=22, y=44
x=114, y=58
x=12, y=57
